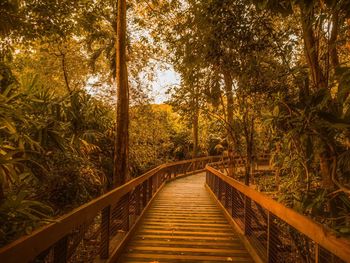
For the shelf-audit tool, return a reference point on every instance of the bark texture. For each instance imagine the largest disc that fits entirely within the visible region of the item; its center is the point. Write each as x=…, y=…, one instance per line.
x=121, y=153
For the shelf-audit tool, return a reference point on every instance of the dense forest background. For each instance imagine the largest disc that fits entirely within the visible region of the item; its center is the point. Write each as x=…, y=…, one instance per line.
x=257, y=77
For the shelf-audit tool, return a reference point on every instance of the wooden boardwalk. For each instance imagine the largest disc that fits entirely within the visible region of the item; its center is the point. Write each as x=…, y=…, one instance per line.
x=184, y=224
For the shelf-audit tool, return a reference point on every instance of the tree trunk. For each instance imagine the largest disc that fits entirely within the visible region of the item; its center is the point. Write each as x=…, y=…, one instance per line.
x=229, y=109
x=318, y=77
x=2, y=194
x=195, y=129
x=326, y=171
x=311, y=50
x=65, y=73
x=333, y=40
x=121, y=149
x=249, y=137
x=229, y=96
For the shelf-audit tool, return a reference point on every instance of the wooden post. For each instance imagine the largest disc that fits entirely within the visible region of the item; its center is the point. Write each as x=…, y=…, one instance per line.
x=105, y=232
x=227, y=191
x=247, y=215
x=144, y=194
x=219, y=188
x=150, y=188
x=317, y=253
x=271, y=239
x=126, y=209
x=216, y=185
x=60, y=251
x=233, y=200
x=137, y=200
x=169, y=175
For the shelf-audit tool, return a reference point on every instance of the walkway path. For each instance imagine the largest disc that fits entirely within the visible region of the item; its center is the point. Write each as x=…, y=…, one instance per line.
x=185, y=225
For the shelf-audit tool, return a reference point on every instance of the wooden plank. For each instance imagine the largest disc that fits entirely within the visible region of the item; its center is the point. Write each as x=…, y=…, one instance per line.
x=179, y=237
x=187, y=227
x=196, y=233
x=186, y=243
x=189, y=220
x=195, y=224
x=214, y=251
x=184, y=258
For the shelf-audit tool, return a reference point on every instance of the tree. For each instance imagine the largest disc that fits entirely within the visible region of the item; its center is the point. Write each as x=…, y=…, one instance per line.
x=121, y=154
x=320, y=24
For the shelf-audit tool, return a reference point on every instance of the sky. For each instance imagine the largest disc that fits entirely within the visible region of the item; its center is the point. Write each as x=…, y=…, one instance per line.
x=163, y=81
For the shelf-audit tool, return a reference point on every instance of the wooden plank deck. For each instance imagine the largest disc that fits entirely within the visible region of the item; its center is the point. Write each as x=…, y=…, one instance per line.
x=184, y=224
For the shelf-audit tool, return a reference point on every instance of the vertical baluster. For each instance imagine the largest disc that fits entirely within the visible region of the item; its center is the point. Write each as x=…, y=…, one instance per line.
x=271, y=239
x=60, y=251
x=105, y=232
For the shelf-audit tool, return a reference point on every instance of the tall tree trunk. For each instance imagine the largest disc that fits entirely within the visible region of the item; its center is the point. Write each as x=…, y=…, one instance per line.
x=229, y=109
x=195, y=135
x=195, y=128
x=121, y=149
x=229, y=96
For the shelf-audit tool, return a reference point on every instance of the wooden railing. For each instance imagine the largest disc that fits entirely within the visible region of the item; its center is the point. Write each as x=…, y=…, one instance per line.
x=98, y=229
x=274, y=232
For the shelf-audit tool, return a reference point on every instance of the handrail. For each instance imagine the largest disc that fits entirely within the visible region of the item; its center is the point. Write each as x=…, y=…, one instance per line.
x=258, y=215
x=58, y=241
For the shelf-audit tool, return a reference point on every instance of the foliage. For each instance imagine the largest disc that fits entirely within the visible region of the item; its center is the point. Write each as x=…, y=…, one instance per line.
x=274, y=74
x=256, y=77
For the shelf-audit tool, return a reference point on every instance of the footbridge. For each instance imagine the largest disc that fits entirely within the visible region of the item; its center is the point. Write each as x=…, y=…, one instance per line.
x=187, y=211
